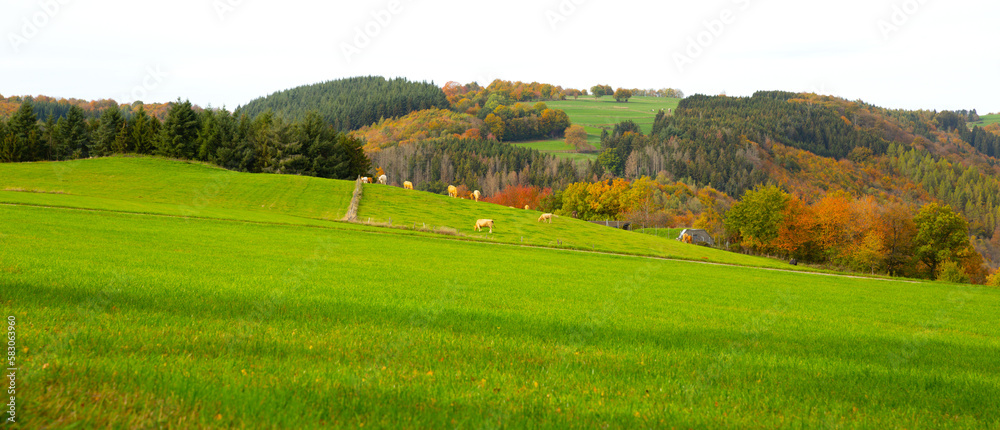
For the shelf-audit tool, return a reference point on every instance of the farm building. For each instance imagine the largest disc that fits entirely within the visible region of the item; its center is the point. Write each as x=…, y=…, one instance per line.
x=697, y=236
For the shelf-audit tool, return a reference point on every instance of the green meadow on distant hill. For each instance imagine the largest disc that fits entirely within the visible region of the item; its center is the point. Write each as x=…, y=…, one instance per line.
x=605, y=112
x=596, y=115
x=170, y=294
x=988, y=119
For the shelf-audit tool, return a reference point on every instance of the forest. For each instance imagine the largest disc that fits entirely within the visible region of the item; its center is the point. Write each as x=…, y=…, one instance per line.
x=349, y=104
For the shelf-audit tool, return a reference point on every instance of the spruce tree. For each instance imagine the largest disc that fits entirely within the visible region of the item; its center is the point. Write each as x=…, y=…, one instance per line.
x=180, y=132
x=24, y=127
x=74, y=135
x=107, y=132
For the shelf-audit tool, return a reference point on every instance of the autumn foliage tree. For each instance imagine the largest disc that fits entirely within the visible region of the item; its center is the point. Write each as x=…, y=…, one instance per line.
x=622, y=95
x=756, y=219
x=576, y=137
x=519, y=196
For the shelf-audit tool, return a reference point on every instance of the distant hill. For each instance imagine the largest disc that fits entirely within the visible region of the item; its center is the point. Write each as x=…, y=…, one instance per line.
x=349, y=104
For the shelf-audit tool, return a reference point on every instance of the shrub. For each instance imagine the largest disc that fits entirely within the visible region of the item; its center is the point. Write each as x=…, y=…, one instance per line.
x=950, y=271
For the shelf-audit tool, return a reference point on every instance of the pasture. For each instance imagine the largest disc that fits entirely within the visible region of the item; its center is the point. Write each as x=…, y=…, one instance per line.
x=275, y=317
x=605, y=112
x=985, y=120
x=559, y=148
x=596, y=115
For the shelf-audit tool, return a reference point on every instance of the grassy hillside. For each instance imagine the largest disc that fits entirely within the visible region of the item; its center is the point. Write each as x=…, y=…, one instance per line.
x=301, y=322
x=605, y=112
x=153, y=185
x=597, y=114
x=176, y=188
x=988, y=119
x=160, y=321
x=416, y=209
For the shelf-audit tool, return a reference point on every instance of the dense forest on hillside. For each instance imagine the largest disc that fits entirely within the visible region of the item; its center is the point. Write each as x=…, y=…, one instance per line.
x=349, y=104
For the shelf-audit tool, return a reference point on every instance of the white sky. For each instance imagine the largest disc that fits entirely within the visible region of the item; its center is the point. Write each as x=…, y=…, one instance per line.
x=942, y=55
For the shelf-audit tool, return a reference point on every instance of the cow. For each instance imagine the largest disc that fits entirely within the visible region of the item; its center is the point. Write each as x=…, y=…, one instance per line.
x=452, y=191
x=366, y=180
x=475, y=195
x=408, y=185
x=687, y=239
x=484, y=223
x=546, y=217
x=383, y=179
x=527, y=208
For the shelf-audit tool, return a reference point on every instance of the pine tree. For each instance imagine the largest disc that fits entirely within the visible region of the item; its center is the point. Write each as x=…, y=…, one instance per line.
x=144, y=135
x=27, y=135
x=74, y=135
x=180, y=132
x=111, y=123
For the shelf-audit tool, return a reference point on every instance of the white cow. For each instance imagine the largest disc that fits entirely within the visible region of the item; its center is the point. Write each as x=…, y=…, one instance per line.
x=383, y=179
x=480, y=224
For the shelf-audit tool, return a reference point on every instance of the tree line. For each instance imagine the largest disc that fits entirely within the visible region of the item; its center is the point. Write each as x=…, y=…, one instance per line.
x=857, y=233
x=262, y=144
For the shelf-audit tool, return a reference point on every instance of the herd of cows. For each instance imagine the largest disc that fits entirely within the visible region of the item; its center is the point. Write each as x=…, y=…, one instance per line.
x=453, y=193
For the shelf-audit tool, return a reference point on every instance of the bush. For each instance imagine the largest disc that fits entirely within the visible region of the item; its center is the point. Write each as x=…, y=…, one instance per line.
x=994, y=279
x=950, y=271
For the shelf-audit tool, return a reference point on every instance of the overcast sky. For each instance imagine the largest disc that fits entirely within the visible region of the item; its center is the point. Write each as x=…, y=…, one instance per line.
x=910, y=54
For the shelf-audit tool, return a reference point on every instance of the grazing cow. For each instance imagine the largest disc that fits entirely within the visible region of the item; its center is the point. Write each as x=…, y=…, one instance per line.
x=475, y=195
x=527, y=208
x=408, y=185
x=366, y=180
x=383, y=179
x=687, y=239
x=546, y=217
x=484, y=223
x=452, y=191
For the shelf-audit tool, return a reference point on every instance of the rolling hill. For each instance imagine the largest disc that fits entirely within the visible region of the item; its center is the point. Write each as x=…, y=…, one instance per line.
x=150, y=185
x=349, y=104
x=275, y=315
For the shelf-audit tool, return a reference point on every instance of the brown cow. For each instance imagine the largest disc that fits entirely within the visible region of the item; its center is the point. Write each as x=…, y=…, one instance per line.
x=452, y=191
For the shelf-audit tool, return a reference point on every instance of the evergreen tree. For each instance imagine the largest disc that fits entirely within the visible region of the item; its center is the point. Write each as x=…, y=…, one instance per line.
x=74, y=135
x=50, y=138
x=179, y=134
x=143, y=131
x=27, y=140
x=110, y=125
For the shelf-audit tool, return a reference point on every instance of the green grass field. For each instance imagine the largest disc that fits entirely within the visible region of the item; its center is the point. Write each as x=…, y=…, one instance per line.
x=559, y=148
x=598, y=114
x=595, y=114
x=152, y=320
x=987, y=120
